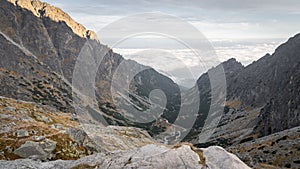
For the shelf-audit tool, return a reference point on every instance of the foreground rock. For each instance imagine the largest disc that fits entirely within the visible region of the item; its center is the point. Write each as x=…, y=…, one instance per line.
x=58, y=138
x=91, y=146
x=42, y=150
x=216, y=158
x=113, y=138
x=149, y=156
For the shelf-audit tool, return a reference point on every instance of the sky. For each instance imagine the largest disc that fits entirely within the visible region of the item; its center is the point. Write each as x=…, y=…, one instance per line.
x=241, y=29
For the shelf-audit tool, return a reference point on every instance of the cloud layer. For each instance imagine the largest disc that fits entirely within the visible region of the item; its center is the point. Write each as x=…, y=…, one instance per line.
x=185, y=67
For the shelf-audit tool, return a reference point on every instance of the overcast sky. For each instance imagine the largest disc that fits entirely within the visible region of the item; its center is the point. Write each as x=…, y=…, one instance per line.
x=244, y=29
x=225, y=18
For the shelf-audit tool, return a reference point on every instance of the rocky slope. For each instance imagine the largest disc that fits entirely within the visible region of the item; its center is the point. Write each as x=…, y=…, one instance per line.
x=27, y=126
x=262, y=99
x=42, y=134
x=276, y=150
x=40, y=45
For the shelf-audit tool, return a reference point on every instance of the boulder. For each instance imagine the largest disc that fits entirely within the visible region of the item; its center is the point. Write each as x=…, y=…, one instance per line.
x=218, y=158
x=39, y=150
x=113, y=138
x=81, y=138
x=31, y=148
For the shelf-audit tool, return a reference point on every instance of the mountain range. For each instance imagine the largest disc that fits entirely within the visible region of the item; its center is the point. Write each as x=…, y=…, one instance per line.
x=39, y=49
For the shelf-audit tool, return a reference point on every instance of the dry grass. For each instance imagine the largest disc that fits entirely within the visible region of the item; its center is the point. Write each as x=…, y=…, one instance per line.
x=233, y=103
x=40, y=128
x=83, y=166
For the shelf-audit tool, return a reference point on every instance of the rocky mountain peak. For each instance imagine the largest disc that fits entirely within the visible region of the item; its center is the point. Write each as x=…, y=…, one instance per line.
x=43, y=9
x=232, y=61
x=232, y=65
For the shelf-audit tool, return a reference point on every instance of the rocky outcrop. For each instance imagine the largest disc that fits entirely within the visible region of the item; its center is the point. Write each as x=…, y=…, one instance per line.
x=149, y=156
x=27, y=132
x=216, y=157
x=43, y=9
x=113, y=138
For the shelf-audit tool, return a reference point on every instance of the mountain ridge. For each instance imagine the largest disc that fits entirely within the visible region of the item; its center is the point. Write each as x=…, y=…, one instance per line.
x=43, y=9
x=57, y=47
x=262, y=101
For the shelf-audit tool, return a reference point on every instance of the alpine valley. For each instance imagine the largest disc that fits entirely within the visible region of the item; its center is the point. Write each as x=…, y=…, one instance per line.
x=49, y=119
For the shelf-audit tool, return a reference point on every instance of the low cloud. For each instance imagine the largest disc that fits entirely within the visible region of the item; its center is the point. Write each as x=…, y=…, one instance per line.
x=184, y=67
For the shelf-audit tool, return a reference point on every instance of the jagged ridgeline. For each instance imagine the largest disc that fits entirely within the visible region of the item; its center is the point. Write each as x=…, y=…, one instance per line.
x=261, y=116
x=263, y=96
x=39, y=48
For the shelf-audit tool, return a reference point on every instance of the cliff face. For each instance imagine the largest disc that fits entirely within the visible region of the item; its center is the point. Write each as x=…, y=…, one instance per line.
x=282, y=109
x=272, y=82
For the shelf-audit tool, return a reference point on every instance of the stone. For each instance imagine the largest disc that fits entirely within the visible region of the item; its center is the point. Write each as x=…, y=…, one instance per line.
x=8, y=108
x=38, y=138
x=48, y=145
x=12, y=124
x=31, y=149
x=57, y=126
x=81, y=138
x=22, y=111
x=42, y=118
x=22, y=133
x=37, y=150
x=9, y=149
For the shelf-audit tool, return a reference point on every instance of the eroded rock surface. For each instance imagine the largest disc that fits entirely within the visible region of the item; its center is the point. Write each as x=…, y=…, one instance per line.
x=147, y=157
